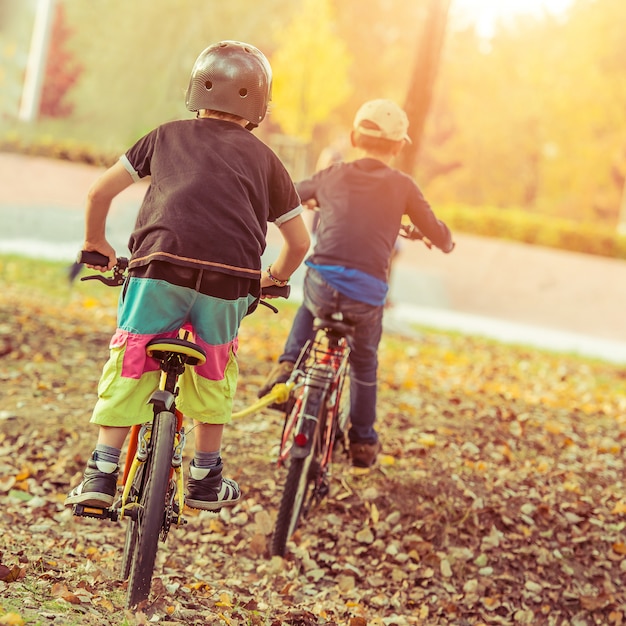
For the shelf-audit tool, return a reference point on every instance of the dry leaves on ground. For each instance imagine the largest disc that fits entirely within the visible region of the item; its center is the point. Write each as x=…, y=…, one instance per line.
x=499, y=498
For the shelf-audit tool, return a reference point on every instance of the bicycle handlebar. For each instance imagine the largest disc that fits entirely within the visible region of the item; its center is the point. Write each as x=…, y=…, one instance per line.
x=119, y=273
x=412, y=232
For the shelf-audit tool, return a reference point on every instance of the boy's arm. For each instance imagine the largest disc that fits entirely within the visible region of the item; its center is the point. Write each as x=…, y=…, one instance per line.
x=295, y=246
x=99, y=199
x=436, y=231
x=422, y=216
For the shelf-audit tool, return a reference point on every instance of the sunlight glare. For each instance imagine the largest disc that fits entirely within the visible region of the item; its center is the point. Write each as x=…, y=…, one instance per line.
x=485, y=13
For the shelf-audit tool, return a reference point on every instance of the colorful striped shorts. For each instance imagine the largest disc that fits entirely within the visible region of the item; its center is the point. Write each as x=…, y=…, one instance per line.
x=150, y=308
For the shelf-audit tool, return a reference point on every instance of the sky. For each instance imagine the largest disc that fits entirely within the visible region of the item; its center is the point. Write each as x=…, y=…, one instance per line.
x=486, y=12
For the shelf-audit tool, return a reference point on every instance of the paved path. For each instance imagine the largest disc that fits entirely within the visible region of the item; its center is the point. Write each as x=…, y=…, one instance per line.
x=510, y=291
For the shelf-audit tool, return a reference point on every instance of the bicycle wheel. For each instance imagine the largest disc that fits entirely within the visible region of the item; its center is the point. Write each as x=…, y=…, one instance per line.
x=132, y=528
x=340, y=399
x=289, y=425
x=341, y=410
x=151, y=510
x=297, y=495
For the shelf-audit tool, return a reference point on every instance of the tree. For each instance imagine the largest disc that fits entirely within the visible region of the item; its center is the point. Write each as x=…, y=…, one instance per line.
x=137, y=68
x=310, y=70
x=62, y=69
x=420, y=91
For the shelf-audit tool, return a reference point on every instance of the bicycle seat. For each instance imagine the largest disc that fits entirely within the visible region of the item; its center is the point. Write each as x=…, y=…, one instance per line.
x=337, y=327
x=157, y=348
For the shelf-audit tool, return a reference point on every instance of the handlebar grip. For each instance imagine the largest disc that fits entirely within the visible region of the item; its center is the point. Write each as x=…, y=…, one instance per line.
x=95, y=258
x=92, y=258
x=275, y=290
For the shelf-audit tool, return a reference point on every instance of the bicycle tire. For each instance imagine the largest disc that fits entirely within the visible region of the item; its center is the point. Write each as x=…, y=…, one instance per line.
x=130, y=541
x=343, y=416
x=341, y=408
x=299, y=484
x=132, y=528
x=150, y=517
x=289, y=425
x=131, y=531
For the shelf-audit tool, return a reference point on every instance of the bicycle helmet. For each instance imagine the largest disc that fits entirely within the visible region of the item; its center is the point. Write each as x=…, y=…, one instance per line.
x=232, y=77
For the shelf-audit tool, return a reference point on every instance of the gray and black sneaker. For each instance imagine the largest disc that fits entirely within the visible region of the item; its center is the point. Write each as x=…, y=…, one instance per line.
x=207, y=490
x=98, y=486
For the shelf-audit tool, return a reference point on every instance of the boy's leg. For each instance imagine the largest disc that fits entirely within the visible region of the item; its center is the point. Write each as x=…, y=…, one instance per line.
x=206, y=488
x=207, y=391
x=301, y=332
x=112, y=436
x=364, y=443
x=128, y=379
x=319, y=299
x=99, y=483
x=208, y=437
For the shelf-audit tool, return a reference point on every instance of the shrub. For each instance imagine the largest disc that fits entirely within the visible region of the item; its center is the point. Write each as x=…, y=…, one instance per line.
x=535, y=228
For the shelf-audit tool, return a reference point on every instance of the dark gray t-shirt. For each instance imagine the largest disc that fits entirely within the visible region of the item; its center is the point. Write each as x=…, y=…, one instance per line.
x=361, y=204
x=213, y=188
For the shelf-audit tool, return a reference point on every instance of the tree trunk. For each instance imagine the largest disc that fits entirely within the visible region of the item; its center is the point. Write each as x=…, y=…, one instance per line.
x=420, y=92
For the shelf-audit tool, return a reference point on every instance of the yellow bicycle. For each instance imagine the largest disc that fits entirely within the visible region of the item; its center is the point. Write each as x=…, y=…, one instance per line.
x=152, y=498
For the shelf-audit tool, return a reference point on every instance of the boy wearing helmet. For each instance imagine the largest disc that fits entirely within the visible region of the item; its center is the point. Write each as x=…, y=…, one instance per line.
x=361, y=205
x=195, y=262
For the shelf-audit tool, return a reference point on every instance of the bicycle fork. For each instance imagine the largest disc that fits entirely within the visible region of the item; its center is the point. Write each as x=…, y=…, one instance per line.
x=128, y=506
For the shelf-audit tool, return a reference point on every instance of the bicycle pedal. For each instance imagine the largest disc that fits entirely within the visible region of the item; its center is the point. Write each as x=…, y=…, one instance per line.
x=96, y=512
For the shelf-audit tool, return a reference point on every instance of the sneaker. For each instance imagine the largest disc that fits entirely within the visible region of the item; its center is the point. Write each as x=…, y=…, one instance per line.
x=364, y=455
x=280, y=374
x=98, y=486
x=207, y=490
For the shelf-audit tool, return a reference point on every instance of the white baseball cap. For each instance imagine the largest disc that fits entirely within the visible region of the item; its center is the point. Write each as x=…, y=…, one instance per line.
x=384, y=119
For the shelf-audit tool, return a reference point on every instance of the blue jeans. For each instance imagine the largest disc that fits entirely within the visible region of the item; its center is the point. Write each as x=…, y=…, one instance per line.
x=320, y=300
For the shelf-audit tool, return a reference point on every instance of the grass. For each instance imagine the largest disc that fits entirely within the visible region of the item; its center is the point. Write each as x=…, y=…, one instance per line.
x=49, y=280
x=54, y=607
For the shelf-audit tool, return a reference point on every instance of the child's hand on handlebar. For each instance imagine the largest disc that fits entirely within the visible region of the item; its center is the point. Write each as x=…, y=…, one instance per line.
x=266, y=282
x=270, y=289
x=104, y=248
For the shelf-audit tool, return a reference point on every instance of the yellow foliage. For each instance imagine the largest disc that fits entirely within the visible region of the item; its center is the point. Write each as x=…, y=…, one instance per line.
x=90, y=303
x=310, y=71
x=386, y=460
x=23, y=474
x=572, y=486
x=427, y=440
x=224, y=601
x=619, y=508
x=11, y=619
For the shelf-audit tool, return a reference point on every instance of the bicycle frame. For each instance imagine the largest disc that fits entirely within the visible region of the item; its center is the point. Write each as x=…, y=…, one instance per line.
x=319, y=368
x=137, y=455
x=153, y=494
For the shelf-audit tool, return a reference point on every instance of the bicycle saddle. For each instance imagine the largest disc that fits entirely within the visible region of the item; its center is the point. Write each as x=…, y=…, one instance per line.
x=157, y=348
x=341, y=328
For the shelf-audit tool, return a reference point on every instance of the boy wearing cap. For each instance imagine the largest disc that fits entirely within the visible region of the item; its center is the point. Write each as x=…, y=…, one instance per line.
x=361, y=204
